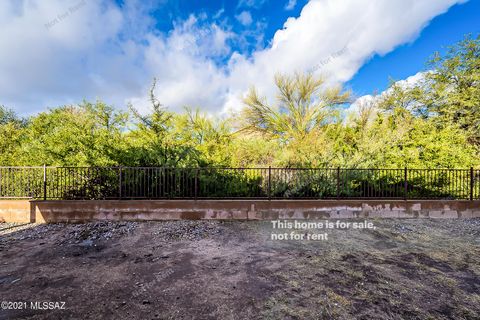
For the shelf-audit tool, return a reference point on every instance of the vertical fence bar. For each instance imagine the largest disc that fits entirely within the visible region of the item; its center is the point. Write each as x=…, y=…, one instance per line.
x=120, y=182
x=196, y=184
x=269, y=182
x=44, y=182
x=471, y=183
x=338, y=182
x=405, y=176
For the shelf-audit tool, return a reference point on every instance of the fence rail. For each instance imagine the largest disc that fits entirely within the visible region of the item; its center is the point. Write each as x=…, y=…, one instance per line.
x=50, y=183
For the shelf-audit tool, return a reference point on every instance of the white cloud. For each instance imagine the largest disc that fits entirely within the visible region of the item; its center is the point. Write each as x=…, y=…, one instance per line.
x=101, y=50
x=368, y=99
x=218, y=14
x=244, y=18
x=411, y=81
x=358, y=28
x=290, y=5
x=251, y=3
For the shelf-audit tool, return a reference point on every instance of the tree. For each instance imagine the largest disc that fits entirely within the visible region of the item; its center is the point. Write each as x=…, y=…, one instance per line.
x=151, y=142
x=452, y=88
x=83, y=135
x=304, y=106
x=11, y=135
x=208, y=138
x=300, y=122
x=395, y=136
x=9, y=116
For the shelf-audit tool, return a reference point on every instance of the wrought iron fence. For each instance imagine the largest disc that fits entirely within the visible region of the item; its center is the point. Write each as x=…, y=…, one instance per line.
x=230, y=183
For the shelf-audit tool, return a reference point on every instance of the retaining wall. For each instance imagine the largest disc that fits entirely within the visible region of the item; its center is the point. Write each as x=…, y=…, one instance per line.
x=16, y=211
x=93, y=210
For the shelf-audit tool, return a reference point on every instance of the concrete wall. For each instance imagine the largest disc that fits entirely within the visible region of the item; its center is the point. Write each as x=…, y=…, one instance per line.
x=89, y=210
x=16, y=211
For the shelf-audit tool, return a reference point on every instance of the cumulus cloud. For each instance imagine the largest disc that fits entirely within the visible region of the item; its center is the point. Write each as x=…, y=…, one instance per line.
x=358, y=29
x=290, y=5
x=251, y=3
x=244, y=18
x=372, y=100
x=101, y=50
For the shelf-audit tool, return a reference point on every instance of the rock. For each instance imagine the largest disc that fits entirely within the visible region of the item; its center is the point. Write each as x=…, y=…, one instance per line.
x=87, y=243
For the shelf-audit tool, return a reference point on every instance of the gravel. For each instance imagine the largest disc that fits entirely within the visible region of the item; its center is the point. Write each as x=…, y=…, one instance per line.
x=84, y=234
x=184, y=230
x=461, y=226
x=187, y=230
x=88, y=234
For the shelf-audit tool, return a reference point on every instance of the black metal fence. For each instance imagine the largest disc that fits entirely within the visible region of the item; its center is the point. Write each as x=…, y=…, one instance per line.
x=229, y=183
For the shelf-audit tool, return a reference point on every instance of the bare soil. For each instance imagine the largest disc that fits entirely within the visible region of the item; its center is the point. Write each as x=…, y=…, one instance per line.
x=404, y=269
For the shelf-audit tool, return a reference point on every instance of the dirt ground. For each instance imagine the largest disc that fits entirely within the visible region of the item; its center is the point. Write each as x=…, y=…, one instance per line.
x=402, y=269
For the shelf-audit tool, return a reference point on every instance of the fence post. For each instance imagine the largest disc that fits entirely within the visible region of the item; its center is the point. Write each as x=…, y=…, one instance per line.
x=196, y=183
x=405, y=195
x=44, y=182
x=338, y=182
x=471, y=183
x=120, y=182
x=269, y=182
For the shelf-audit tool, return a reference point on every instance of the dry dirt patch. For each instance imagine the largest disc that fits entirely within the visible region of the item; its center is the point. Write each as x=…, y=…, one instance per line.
x=404, y=269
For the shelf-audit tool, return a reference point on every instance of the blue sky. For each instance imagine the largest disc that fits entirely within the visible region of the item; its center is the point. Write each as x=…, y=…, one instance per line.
x=374, y=76
x=207, y=54
x=406, y=60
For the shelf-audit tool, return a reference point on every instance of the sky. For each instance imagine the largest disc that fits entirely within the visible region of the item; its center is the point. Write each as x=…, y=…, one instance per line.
x=207, y=54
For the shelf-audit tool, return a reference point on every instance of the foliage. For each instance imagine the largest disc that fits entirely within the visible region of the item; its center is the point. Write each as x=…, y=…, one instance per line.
x=11, y=128
x=452, y=89
x=84, y=135
x=432, y=123
x=304, y=107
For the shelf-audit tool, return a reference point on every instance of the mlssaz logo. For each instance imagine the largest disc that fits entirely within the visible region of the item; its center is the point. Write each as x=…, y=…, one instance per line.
x=47, y=305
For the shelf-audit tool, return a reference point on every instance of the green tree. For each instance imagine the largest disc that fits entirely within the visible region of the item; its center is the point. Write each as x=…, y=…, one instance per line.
x=301, y=120
x=208, y=138
x=84, y=135
x=393, y=135
x=452, y=88
x=153, y=140
x=304, y=106
x=11, y=134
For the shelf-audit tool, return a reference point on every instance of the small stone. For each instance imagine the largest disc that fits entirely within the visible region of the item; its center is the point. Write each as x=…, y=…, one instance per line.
x=87, y=243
